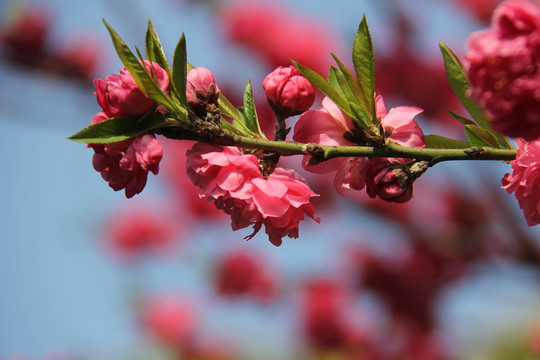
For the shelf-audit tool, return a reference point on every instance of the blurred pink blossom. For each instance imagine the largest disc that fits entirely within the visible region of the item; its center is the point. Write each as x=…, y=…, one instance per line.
x=503, y=67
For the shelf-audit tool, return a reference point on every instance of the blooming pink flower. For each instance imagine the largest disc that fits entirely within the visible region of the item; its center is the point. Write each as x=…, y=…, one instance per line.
x=502, y=64
x=125, y=164
x=201, y=85
x=233, y=180
x=524, y=180
x=328, y=125
x=119, y=95
x=288, y=91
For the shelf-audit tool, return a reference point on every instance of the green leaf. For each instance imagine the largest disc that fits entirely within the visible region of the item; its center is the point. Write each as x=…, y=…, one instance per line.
x=440, y=142
x=251, y=120
x=460, y=118
x=457, y=78
x=351, y=80
x=154, y=49
x=179, y=75
x=320, y=83
x=141, y=75
x=364, y=65
x=117, y=129
x=226, y=108
x=334, y=82
x=361, y=117
x=481, y=137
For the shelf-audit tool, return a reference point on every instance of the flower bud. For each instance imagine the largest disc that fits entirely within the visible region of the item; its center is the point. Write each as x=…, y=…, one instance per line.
x=392, y=179
x=201, y=88
x=288, y=92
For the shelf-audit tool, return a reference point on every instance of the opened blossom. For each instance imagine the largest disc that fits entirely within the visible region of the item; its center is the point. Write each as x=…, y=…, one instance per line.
x=524, y=181
x=119, y=95
x=502, y=64
x=234, y=182
x=329, y=125
x=125, y=164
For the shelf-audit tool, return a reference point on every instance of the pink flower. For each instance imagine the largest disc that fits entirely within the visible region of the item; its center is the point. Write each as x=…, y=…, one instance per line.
x=119, y=95
x=502, y=63
x=125, y=164
x=233, y=180
x=288, y=91
x=524, y=180
x=201, y=86
x=328, y=126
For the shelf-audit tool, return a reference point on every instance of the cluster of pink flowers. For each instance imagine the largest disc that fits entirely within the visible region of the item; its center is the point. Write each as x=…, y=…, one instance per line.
x=503, y=68
x=125, y=165
x=328, y=127
x=234, y=182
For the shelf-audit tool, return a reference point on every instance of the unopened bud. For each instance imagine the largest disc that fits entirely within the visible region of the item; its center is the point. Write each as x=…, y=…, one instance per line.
x=201, y=88
x=288, y=92
x=392, y=179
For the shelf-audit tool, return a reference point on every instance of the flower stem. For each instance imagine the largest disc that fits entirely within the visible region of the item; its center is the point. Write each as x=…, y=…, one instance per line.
x=326, y=152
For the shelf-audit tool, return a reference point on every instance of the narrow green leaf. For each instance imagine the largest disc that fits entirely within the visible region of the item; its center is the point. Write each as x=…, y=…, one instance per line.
x=481, y=137
x=117, y=129
x=457, y=78
x=361, y=117
x=346, y=90
x=364, y=65
x=141, y=75
x=226, y=108
x=351, y=80
x=179, y=77
x=252, y=122
x=319, y=82
x=503, y=141
x=154, y=49
x=440, y=142
x=334, y=82
x=240, y=124
x=460, y=118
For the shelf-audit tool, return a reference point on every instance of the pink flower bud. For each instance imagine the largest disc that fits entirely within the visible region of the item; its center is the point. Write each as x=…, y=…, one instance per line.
x=387, y=180
x=201, y=87
x=288, y=91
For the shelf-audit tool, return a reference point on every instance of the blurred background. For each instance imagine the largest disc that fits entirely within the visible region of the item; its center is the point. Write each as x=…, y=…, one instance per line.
x=88, y=274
